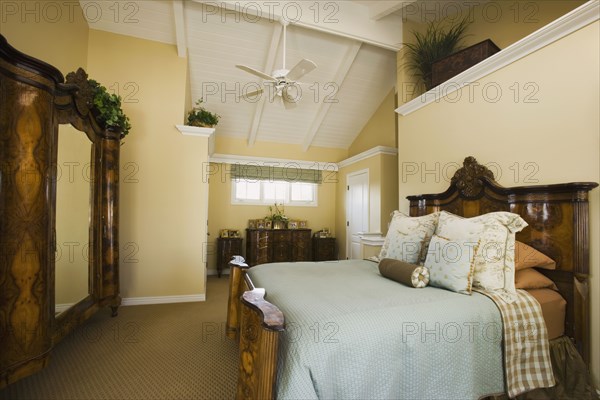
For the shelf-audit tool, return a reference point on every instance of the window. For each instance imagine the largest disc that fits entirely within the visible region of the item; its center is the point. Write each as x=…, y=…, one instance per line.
x=269, y=192
x=266, y=184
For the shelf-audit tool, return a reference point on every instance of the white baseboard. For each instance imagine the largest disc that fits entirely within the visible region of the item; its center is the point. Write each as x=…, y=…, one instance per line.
x=137, y=301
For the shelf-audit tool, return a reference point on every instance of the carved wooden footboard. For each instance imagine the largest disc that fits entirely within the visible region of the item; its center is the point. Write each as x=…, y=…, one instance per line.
x=257, y=324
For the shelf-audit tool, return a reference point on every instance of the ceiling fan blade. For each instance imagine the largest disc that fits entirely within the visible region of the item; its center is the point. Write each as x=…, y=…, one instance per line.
x=299, y=70
x=250, y=95
x=256, y=72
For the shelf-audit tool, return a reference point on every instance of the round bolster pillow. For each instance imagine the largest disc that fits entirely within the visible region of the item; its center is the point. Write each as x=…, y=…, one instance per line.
x=409, y=274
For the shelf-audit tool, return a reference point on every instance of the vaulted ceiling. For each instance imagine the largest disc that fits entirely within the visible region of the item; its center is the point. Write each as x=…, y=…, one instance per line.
x=353, y=43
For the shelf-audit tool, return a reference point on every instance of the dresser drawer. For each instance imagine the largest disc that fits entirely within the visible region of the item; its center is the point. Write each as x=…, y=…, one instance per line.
x=282, y=235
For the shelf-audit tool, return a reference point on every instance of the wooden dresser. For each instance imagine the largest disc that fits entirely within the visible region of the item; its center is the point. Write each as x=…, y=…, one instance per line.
x=277, y=245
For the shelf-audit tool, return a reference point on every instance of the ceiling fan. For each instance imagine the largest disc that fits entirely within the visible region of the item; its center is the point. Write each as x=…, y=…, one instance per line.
x=284, y=82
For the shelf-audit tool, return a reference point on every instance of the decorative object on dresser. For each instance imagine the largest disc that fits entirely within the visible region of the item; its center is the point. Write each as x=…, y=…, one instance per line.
x=324, y=248
x=35, y=101
x=227, y=247
x=277, y=245
x=448, y=67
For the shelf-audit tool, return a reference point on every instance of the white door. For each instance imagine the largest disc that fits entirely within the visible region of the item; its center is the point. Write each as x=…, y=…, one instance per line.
x=357, y=211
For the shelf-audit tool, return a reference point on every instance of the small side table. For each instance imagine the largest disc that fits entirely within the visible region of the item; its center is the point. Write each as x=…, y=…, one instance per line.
x=227, y=248
x=324, y=249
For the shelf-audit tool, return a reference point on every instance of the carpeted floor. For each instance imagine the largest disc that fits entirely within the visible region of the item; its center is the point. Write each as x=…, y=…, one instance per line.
x=170, y=351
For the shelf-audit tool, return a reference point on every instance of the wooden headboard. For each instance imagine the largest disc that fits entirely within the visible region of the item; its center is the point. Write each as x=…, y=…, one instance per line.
x=558, y=226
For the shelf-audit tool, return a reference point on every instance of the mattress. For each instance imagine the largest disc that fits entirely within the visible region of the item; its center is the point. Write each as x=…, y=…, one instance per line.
x=553, y=309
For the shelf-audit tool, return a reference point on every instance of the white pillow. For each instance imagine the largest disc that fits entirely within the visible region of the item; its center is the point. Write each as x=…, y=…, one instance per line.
x=494, y=265
x=408, y=237
x=451, y=264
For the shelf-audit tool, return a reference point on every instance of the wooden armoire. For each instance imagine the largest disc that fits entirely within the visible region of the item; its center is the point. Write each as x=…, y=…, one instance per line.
x=34, y=100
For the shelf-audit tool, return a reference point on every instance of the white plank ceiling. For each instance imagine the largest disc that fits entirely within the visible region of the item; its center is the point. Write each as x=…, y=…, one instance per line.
x=355, y=70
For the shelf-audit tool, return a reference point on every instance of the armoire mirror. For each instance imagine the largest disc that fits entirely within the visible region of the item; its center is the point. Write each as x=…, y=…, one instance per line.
x=73, y=180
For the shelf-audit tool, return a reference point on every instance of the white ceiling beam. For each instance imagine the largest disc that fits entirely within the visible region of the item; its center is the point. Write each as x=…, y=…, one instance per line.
x=381, y=9
x=340, y=76
x=179, y=18
x=269, y=64
x=342, y=18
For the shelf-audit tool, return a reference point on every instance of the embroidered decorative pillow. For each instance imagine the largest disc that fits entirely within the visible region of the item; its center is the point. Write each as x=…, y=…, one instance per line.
x=450, y=264
x=494, y=259
x=408, y=237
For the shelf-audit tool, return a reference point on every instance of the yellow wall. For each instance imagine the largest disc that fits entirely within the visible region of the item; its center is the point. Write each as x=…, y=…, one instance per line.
x=162, y=202
x=506, y=22
x=58, y=36
x=380, y=130
x=64, y=45
x=553, y=140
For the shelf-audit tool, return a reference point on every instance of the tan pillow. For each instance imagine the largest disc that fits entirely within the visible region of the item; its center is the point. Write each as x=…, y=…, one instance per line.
x=527, y=257
x=531, y=279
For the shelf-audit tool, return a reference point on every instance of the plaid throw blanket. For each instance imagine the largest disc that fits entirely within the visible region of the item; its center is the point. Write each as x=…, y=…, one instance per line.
x=527, y=363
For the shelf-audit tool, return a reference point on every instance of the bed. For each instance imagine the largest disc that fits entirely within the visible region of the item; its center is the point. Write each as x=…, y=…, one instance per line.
x=271, y=343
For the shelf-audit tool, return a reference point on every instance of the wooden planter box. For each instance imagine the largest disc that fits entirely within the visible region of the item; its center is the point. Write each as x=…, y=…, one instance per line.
x=452, y=65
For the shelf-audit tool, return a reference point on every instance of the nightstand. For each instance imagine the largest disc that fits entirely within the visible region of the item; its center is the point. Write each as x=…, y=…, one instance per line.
x=227, y=248
x=324, y=249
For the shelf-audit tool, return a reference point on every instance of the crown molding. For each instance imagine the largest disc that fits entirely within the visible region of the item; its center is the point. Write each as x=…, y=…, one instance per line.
x=580, y=17
x=375, y=151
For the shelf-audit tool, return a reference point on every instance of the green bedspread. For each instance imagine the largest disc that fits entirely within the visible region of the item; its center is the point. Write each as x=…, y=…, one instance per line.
x=353, y=334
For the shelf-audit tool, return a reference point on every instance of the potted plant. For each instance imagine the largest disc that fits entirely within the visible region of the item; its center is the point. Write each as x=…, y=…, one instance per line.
x=199, y=116
x=437, y=42
x=277, y=217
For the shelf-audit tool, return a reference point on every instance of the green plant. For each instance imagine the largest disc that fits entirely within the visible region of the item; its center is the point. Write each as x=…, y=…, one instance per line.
x=438, y=41
x=199, y=116
x=277, y=213
x=107, y=107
